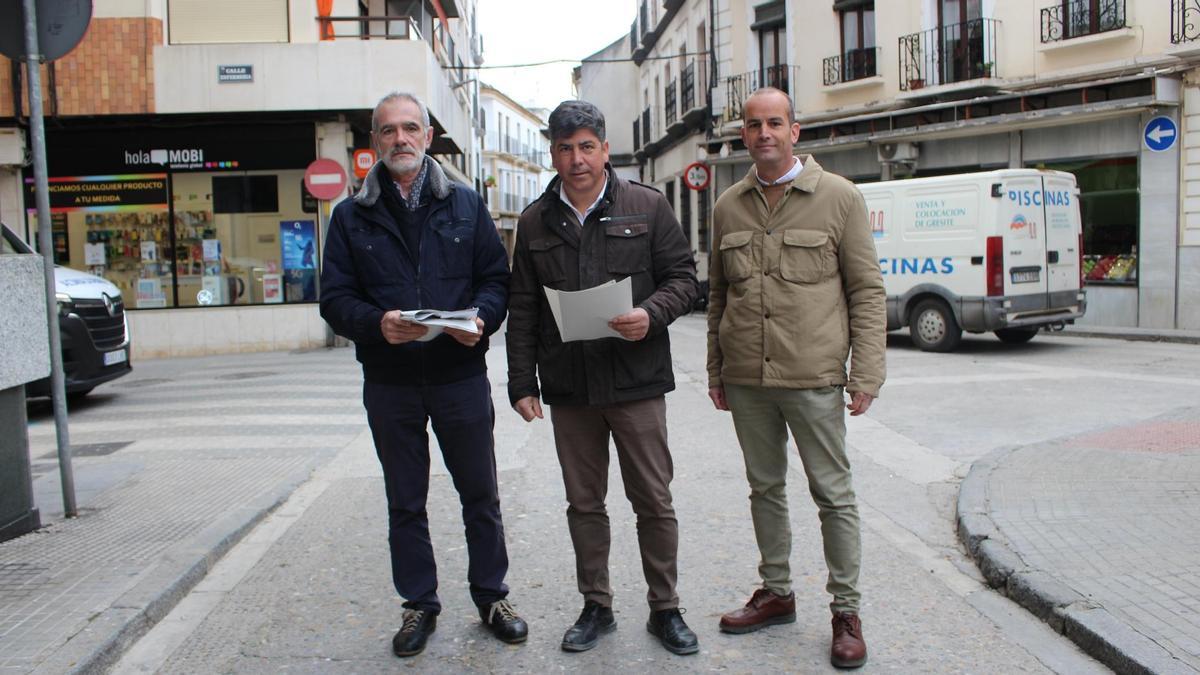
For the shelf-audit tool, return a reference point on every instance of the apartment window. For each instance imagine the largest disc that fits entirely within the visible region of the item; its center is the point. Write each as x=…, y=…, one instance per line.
x=858, y=39
x=685, y=210
x=771, y=34
x=1086, y=17
x=223, y=21
x=960, y=40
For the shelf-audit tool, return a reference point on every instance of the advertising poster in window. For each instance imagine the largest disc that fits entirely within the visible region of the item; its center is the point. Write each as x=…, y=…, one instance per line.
x=298, y=250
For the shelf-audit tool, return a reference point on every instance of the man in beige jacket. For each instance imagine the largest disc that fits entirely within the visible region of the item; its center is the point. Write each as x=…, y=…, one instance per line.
x=795, y=290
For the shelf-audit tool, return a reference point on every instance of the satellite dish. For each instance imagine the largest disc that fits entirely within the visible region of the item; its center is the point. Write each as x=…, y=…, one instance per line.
x=61, y=26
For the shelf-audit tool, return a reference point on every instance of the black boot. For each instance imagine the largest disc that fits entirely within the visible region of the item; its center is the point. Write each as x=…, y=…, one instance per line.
x=502, y=620
x=668, y=626
x=595, y=620
x=416, y=628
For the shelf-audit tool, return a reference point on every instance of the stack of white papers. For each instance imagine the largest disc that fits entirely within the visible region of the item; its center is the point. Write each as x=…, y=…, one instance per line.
x=584, y=315
x=437, y=319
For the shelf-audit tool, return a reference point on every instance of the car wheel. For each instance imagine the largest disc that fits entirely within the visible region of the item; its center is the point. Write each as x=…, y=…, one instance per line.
x=933, y=327
x=1016, y=336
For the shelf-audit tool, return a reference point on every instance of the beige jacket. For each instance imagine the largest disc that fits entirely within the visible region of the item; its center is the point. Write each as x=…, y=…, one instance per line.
x=795, y=291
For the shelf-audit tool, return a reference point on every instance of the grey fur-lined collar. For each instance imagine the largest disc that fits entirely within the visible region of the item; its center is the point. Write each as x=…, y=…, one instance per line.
x=369, y=193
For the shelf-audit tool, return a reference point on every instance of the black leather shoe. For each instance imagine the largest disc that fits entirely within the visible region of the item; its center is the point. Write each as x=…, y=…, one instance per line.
x=502, y=620
x=416, y=628
x=595, y=620
x=668, y=626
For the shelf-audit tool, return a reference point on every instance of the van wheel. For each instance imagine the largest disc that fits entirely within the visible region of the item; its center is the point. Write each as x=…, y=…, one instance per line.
x=933, y=327
x=1016, y=336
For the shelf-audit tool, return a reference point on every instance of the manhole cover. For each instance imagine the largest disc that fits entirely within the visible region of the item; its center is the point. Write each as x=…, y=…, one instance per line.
x=91, y=449
x=146, y=382
x=246, y=376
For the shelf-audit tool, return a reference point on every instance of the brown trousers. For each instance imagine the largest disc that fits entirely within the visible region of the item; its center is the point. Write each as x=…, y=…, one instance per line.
x=639, y=429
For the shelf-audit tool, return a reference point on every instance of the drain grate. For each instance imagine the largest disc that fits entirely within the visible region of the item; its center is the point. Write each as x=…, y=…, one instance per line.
x=91, y=449
x=246, y=376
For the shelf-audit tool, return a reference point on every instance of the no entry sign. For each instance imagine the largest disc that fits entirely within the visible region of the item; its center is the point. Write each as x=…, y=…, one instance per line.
x=325, y=179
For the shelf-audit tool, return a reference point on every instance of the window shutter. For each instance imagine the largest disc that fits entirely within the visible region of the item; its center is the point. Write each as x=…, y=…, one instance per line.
x=220, y=21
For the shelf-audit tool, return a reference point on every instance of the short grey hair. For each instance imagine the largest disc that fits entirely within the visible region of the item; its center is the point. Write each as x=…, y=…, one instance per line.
x=572, y=116
x=399, y=96
x=773, y=90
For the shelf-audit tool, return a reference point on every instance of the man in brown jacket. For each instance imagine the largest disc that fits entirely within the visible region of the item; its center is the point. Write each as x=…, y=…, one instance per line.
x=795, y=289
x=588, y=228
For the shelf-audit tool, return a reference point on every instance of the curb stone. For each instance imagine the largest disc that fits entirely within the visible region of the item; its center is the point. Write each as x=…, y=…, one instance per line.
x=1096, y=631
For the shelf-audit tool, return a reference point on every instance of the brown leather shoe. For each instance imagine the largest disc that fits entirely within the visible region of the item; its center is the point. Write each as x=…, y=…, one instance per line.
x=764, y=609
x=848, y=649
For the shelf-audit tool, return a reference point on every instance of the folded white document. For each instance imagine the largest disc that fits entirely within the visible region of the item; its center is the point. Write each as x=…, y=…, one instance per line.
x=437, y=319
x=584, y=315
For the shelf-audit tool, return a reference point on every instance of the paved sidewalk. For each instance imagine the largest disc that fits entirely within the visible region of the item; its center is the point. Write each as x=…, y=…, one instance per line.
x=1099, y=535
x=173, y=465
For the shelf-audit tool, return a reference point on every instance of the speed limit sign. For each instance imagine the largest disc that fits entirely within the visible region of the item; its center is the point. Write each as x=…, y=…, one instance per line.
x=696, y=176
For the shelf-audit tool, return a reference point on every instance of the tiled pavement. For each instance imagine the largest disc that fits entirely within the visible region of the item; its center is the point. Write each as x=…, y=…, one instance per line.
x=201, y=450
x=1099, y=534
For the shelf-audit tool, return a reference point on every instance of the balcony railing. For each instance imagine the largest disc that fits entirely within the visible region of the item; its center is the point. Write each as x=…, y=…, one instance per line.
x=951, y=53
x=855, y=64
x=739, y=87
x=1076, y=18
x=670, y=104
x=370, y=27
x=688, y=86
x=1185, y=21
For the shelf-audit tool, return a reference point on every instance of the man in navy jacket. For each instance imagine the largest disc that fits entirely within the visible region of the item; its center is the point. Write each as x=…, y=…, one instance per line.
x=411, y=239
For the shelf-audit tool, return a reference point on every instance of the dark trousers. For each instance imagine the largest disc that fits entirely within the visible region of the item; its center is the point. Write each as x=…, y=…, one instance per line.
x=639, y=429
x=462, y=417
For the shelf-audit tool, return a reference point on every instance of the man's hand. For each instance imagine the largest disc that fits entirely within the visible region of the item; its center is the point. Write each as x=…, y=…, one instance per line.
x=397, y=331
x=859, y=403
x=717, y=394
x=467, y=338
x=529, y=408
x=632, y=325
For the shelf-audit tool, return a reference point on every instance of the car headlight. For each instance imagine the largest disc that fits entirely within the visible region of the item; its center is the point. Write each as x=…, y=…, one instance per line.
x=65, y=304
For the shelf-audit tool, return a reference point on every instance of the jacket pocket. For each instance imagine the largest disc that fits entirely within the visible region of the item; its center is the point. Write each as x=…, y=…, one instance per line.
x=627, y=247
x=369, y=249
x=802, y=256
x=549, y=259
x=638, y=364
x=737, y=256
x=456, y=248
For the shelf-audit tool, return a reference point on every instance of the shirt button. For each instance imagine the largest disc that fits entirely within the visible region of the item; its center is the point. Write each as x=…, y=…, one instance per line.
x=769, y=231
x=628, y=231
x=768, y=359
x=767, y=315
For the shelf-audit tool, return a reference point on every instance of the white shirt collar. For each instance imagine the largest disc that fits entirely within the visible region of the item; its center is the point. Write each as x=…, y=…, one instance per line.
x=797, y=167
x=583, y=216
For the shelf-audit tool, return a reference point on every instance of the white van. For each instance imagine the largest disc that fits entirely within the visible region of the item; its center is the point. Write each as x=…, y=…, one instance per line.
x=91, y=321
x=992, y=251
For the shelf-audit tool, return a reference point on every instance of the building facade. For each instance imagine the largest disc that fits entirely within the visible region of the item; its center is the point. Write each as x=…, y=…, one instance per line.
x=1106, y=89
x=178, y=134
x=516, y=159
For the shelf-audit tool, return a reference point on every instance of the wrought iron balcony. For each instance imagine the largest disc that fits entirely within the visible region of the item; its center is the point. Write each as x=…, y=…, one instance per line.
x=1185, y=21
x=739, y=87
x=856, y=64
x=951, y=53
x=670, y=103
x=637, y=135
x=369, y=28
x=1076, y=18
x=646, y=127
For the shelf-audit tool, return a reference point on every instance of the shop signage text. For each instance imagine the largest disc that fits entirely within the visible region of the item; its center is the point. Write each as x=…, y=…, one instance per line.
x=180, y=158
x=112, y=193
x=235, y=73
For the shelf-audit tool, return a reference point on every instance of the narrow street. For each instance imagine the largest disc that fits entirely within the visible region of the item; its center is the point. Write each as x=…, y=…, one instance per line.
x=309, y=588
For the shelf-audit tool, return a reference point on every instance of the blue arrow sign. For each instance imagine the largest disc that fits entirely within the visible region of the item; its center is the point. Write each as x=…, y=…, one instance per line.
x=1160, y=134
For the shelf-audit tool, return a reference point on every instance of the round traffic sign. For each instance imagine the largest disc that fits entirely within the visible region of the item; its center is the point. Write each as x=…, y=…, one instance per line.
x=364, y=159
x=325, y=179
x=1160, y=133
x=61, y=24
x=697, y=175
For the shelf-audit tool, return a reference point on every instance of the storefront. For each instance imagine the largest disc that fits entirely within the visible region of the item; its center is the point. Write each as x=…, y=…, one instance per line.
x=187, y=216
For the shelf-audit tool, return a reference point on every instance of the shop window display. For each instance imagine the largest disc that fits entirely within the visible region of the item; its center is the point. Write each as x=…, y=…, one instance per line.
x=1109, y=205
